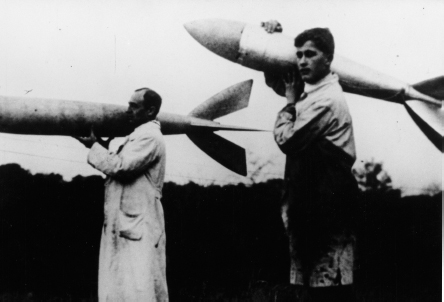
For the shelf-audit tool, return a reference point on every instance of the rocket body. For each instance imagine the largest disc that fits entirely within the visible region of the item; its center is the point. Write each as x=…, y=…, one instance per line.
x=22, y=115
x=74, y=118
x=251, y=46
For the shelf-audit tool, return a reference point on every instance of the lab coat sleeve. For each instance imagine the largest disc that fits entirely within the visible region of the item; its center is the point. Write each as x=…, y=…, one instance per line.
x=293, y=133
x=134, y=159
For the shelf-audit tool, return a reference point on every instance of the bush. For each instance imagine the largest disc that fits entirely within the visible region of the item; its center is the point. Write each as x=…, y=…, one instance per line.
x=223, y=243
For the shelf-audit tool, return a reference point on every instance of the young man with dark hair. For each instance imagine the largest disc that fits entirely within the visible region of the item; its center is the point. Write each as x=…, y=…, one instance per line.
x=315, y=131
x=132, y=249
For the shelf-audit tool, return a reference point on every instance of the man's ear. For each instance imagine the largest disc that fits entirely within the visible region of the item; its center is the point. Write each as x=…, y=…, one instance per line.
x=329, y=59
x=151, y=111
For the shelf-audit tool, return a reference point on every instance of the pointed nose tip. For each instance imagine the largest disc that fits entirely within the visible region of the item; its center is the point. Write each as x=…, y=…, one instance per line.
x=219, y=36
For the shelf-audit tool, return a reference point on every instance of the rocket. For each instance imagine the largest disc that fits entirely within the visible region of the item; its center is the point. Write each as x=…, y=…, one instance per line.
x=22, y=115
x=251, y=46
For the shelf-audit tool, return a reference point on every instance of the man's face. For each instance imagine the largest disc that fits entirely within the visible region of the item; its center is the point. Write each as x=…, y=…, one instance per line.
x=313, y=64
x=137, y=114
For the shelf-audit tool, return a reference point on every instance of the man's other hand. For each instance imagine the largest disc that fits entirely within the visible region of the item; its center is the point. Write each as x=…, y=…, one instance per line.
x=87, y=141
x=293, y=86
x=105, y=143
x=272, y=26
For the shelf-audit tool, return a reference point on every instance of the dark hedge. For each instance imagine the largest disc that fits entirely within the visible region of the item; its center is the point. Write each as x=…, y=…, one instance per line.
x=223, y=243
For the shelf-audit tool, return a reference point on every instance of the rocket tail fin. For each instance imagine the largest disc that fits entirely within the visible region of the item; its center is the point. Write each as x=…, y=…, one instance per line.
x=230, y=100
x=429, y=119
x=227, y=101
x=432, y=87
x=228, y=154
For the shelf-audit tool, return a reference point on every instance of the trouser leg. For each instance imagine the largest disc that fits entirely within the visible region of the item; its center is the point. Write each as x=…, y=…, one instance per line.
x=296, y=275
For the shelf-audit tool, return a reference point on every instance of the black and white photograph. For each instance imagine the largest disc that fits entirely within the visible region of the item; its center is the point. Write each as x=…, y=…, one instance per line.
x=209, y=150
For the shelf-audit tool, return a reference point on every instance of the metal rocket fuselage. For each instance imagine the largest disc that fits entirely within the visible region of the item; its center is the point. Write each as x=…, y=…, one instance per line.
x=22, y=115
x=38, y=116
x=251, y=46
x=73, y=118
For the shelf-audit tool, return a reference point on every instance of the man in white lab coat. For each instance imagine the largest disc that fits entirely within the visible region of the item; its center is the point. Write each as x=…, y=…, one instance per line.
x=319, y=203
x=132, y=249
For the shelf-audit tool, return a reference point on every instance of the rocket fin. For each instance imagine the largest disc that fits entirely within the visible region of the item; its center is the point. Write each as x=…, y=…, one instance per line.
x=230, y=100
x=227, y=101
x=429, y=118
x=228, y=154
x=432, y=87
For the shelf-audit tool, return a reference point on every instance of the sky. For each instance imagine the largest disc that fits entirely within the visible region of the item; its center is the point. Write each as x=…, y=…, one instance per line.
x=101, y=51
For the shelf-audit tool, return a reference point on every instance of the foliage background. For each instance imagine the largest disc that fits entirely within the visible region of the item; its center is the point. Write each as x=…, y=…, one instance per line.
x=223, y=243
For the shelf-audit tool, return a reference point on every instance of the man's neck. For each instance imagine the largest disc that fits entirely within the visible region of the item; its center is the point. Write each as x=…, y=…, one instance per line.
x=310, y=87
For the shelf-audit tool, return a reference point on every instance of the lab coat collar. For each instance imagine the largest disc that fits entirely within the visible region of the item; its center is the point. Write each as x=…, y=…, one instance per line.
x=328, y=79
x=152, y=123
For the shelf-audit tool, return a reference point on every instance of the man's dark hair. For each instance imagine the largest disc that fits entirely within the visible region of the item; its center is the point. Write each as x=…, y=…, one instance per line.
x=321, y=37
x=151, y=98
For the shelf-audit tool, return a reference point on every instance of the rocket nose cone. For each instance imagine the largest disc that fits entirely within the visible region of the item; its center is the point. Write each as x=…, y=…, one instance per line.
x=220, y=36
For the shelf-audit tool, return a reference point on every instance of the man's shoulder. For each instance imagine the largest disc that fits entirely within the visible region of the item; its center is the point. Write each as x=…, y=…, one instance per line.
x=150, y=137
x=147, y=130
x=329, y=95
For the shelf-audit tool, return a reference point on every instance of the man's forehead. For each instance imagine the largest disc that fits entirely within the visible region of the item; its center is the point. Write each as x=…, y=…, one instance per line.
x=137, y=96
x=308, y=45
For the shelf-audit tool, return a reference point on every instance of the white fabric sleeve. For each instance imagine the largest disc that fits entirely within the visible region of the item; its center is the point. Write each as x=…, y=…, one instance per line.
x=135, y=157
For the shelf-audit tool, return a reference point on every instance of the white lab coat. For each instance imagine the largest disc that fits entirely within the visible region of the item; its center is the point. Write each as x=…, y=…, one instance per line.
x=132, y=249
x=320, y=197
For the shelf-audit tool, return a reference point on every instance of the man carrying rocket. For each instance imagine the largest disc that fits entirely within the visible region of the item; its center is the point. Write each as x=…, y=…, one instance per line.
x=315, y=132
x=132, y=265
